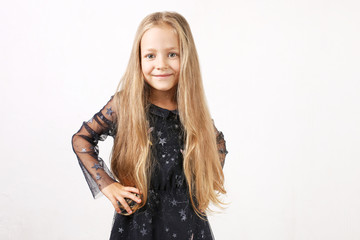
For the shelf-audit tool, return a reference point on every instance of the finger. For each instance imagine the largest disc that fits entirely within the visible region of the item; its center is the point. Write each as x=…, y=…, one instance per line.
x=116, y=206
x=132, y=189
x=125, y=205
x=132, y=196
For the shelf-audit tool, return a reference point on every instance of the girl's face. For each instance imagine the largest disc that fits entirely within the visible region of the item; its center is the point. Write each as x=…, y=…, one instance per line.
x=160, y=60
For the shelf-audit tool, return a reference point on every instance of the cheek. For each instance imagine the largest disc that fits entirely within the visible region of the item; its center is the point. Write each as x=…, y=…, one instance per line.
x=146, y=68
x=176, y=66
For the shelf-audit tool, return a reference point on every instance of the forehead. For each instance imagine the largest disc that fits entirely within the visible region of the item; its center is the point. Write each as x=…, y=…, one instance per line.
x=159, y=37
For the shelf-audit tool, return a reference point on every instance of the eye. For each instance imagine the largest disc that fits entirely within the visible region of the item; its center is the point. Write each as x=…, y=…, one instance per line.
x=172, y=55
x=149, y=56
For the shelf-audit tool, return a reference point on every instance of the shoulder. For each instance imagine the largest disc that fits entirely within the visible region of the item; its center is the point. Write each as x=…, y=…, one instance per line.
x=219, y=134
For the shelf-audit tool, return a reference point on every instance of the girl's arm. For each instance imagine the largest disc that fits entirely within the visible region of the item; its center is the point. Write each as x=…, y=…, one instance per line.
x=85, y=146
x=221, y=144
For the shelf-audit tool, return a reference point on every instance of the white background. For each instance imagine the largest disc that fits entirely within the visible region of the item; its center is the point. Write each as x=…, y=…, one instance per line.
x=282, y=82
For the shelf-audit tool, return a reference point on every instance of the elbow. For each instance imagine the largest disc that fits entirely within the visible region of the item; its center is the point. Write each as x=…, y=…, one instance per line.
x=73, y=137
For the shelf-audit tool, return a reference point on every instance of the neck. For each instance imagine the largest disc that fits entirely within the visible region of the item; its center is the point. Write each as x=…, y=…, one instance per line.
x=163, y=99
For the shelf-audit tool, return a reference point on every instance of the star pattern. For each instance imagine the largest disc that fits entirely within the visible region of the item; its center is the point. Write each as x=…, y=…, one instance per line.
x=179, y=181
x=182, y=212
x=96, y=166
x=182, y=215
x=173, y=202
x=121, y=230
x=202, y=233
x=109, y=111
x=143, y=231
x=162, y=141
x=98, y=176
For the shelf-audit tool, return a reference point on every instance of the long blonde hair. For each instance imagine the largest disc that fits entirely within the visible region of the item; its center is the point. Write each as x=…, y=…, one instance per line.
x=131, y=158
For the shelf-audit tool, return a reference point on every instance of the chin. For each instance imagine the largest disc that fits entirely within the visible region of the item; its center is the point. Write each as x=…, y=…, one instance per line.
x=162, y=87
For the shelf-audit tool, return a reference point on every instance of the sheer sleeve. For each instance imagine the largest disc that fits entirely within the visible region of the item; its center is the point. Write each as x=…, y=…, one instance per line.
x=221, y=144
x=85, y=146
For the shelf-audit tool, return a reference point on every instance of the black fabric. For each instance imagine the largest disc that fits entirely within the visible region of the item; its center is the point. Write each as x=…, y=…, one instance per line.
x=168, y=213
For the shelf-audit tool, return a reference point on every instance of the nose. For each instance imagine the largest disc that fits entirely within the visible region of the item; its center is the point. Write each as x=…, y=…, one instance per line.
x=161, y=63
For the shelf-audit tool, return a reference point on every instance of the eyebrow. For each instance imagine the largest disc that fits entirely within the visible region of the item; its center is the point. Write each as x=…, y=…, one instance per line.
x=154, y=50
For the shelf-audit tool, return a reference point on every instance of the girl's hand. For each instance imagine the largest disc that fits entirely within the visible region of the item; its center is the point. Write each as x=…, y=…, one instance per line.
x=117, y=192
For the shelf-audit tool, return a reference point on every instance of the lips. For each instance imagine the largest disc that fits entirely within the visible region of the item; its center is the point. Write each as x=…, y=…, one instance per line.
x=162, y=75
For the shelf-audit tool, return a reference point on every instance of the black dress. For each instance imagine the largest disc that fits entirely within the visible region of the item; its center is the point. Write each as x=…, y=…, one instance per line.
x=168, y=213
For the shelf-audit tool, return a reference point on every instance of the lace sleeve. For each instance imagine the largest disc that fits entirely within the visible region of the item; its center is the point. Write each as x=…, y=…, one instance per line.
x=85, y=146
x=221, y=144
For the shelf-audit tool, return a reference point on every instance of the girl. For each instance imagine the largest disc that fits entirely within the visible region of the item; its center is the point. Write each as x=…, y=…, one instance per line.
x=167, y=157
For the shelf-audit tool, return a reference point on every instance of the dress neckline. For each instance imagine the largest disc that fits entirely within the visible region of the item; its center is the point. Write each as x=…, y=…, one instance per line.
x=164, y=108
x=163, y=112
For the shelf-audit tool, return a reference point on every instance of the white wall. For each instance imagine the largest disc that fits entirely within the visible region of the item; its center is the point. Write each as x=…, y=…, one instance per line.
x=282, y=81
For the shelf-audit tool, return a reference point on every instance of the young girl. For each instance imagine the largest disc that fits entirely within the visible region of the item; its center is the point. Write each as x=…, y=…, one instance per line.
x=167, y=157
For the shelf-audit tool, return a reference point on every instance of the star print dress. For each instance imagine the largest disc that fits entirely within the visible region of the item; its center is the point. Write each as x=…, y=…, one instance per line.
x=168, y=213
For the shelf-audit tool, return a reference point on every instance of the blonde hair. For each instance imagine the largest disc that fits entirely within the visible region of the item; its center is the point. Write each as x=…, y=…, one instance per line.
x=131, y=158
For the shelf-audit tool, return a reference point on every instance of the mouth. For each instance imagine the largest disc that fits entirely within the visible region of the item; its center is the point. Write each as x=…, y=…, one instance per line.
x=162, y=75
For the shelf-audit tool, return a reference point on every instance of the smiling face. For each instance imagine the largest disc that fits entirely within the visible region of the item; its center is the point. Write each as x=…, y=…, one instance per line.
x=160, y=60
